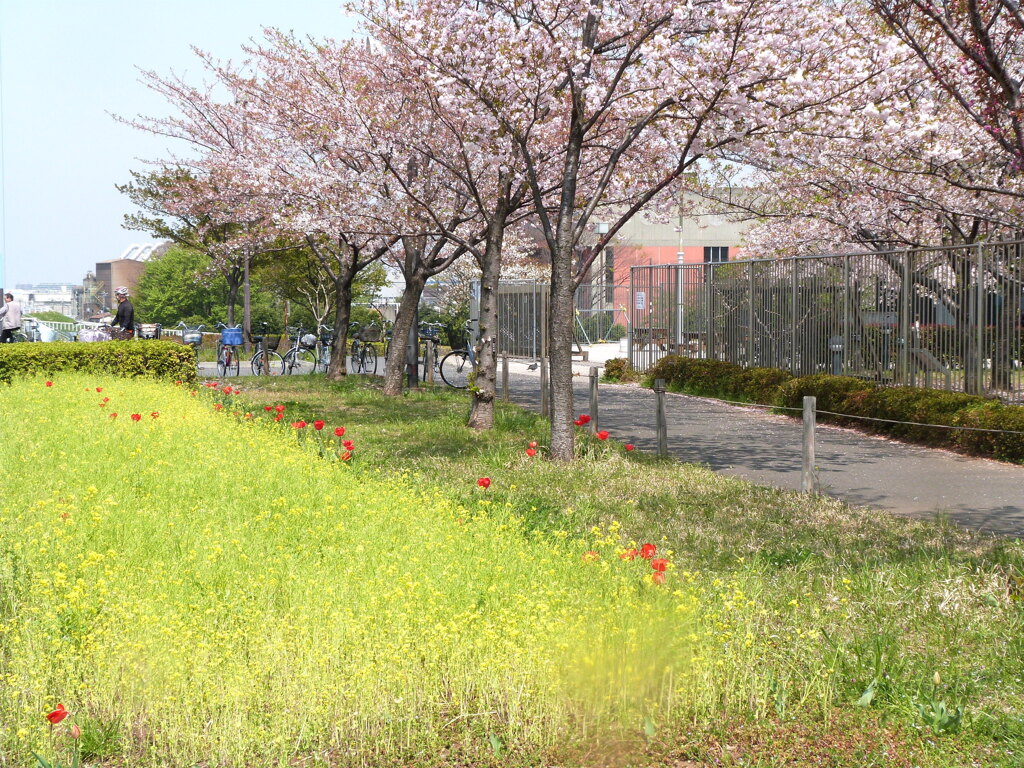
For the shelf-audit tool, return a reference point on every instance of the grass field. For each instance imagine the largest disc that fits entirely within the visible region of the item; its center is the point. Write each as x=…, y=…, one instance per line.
x=203, y=588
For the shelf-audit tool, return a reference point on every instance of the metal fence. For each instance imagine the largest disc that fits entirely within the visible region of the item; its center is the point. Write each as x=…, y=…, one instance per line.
x=523, y=312
x=945, y=318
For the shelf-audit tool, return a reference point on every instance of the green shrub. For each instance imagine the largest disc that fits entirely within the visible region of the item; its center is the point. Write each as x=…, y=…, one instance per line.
x=761, y=385
x=156, y=359
x=619, y=369
x=990, y=415
x=832, y=392
x=911, y=404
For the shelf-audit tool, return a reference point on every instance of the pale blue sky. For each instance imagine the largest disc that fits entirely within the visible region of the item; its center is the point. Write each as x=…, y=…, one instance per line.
x=67, y=64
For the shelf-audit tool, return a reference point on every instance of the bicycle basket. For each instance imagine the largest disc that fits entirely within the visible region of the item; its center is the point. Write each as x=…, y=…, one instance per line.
x=195, y=338
x=369, y=333
x=149, y=331
x=308, y=341
x=231, y=336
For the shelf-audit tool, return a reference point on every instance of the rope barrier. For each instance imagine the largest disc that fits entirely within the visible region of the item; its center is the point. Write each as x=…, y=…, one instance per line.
x=863, y=418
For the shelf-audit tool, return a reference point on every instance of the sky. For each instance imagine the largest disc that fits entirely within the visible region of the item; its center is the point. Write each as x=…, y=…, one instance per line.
x=65, y=67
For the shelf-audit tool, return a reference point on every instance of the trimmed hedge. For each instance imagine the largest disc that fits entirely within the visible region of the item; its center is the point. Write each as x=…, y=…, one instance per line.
x=855, y=397
x=619, y=370
x=151, y=358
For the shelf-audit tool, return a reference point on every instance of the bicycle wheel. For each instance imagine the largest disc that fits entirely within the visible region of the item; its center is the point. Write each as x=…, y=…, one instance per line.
x=354, y=362
x=369, y=359
x=300, y=361
x=274, y=363
x=228, y=363
x=455, y=369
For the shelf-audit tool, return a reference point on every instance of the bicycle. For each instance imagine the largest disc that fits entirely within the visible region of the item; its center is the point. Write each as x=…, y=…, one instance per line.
x=302, y=358
x=363, y=353
x=430, y=339
x=323, y=347
x=458, y=364
x=192, y=337
x=227, y=350
x=265, y=360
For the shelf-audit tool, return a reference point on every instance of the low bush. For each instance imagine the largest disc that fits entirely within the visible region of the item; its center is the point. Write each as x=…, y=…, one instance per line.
x=131, y=359
x=832, y=392
x=619, y=370
x=1000, y=445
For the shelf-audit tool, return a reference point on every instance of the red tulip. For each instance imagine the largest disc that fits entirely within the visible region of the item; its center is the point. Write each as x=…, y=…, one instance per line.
x=531, y=452
x=602, y=435
x=318, y=425
x=349, y=445
x=659, y=564
x=629, y=554
x=299, y=424
x=268, y=407
x=584, y=419
x=591, y=556
x=217, y=406
x=630, y=447
x=658, y=577
x=49, y=383
x=578, y=422
x=279, y=408
x=106, y=399
x=346, y=456
x=279, y=417
x=647, y=551
x=136, y=416
x=75, y=731
x=57, y=715
x=99, y=389
x=533, y=444
x=113, y=415
x=248, y=415
x=155, y=414
x=339, y=431
x=484, y=482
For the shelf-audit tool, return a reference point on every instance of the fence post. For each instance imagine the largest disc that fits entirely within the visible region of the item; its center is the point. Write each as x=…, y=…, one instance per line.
x=980, y=318
x=593, y=399
x=544, y=389
x=661, y=422
x=504, y=378
x=808, y=480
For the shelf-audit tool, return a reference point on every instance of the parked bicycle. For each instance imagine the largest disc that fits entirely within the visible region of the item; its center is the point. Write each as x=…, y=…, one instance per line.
x=363, y=354
x=458, y=364
x=430, y=349
x=323, y=348
x=192, y=337
x=228, y=352
x=302, y=358
x=265, y=360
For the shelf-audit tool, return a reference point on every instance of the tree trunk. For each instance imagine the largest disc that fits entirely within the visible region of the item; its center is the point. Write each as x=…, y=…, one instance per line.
x=233, y=286
x=560, y=335
x=394, y=369
x=337, y=370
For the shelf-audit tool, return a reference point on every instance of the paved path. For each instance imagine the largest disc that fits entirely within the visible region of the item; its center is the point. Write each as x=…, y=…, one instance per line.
x=766, y=448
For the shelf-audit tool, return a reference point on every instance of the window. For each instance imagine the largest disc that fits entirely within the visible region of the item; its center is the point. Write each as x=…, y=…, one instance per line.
x=714, y=254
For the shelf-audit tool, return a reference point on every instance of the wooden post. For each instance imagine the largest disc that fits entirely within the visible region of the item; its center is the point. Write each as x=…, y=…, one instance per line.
x=661, y=422
x=428, y=363
x=808, y=480
x=593, y=399
x=545, y=406
x=504, y=378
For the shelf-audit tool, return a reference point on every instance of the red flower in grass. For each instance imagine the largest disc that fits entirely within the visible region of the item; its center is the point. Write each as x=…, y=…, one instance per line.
x=339, y=431
x=299, y=424
x=629, y=554
x=248, y=415
x=136, y=417
x=279, y=417
x=484, y=482
x=346, y=456
x=349, y=445
x=318, y=425
x=591, y=556
x=113, y=415
x=583, y=419
x=106, y=399
x=602, y=435
x=155, y=414
x=659, y=564
x=533, y=443
x=268, y=407
x=193, y=393
x=98, y=389
x=57, y=715
x=49, y=383
x=218, y=406
x=279, y=408
x=531, y=452
x=647, y=551
x=658, y=577
x=630, y=447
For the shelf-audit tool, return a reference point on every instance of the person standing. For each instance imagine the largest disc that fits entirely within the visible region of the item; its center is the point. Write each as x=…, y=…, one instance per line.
x=125, y=317
x=10, y=319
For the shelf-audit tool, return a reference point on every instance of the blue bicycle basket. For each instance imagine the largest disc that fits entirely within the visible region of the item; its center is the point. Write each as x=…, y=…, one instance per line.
x=232, y=336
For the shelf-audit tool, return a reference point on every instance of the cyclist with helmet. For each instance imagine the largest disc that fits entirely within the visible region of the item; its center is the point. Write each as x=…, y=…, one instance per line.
x=125, y=317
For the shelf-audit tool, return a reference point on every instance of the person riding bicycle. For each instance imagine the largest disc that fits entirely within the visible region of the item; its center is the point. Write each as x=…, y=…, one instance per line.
x=125, y=317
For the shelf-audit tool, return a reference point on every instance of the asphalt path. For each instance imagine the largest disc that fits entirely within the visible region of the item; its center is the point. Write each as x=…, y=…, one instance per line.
x=765, y=448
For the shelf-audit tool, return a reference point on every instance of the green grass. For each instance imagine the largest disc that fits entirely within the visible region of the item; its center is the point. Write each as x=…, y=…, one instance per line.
x=203, y=588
